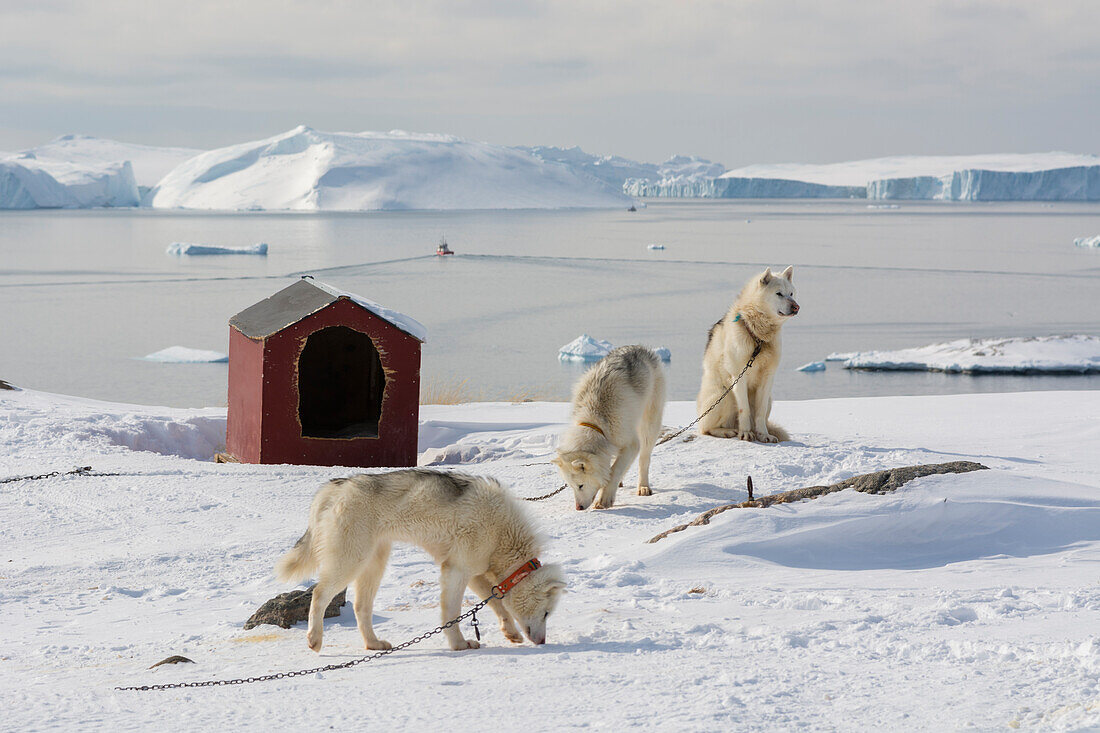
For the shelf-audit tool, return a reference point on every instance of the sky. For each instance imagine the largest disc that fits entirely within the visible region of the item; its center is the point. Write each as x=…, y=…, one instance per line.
x=738, y=82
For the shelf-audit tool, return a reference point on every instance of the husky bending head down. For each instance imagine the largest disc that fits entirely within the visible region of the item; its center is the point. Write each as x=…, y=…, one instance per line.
x=474, y=529
x=617, y=409
x=753, y=321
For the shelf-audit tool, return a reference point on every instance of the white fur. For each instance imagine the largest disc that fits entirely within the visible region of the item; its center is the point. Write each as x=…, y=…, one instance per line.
x=624, y=396
x=765, y=303
x=470, y=526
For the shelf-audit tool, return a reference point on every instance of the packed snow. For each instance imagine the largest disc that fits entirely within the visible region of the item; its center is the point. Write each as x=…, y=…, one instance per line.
x=186, y=248
x=308, y=170
x=960, y=601
x=1093, y=242
x=185, y=355
x=1036, y=355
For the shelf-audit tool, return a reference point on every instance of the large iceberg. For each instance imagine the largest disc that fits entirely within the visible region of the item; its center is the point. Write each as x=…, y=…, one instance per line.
x=27, y=182
x=78, y=171
x=308, y=170
x=997, y=177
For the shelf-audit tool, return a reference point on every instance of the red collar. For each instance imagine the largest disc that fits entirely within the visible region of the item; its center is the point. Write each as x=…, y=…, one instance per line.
x=512, y=580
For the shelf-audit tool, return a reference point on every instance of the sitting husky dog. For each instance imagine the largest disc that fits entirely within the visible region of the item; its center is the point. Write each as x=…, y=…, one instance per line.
x=471, y=526
x=617, y=409
x=754, y=318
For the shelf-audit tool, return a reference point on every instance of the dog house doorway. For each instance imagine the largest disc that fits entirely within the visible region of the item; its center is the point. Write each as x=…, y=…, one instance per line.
x=340, y=385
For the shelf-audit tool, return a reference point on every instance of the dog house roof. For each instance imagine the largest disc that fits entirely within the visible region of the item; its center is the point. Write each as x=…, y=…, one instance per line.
x=304, y=298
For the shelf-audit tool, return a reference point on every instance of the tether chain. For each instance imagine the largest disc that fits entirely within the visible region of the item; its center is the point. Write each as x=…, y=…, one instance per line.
x=79, y=471
x=681, y=431
x=327, y=668
x=555, y=492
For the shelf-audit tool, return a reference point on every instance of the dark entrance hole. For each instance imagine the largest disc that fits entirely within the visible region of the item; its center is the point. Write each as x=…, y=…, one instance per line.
x=340, y=385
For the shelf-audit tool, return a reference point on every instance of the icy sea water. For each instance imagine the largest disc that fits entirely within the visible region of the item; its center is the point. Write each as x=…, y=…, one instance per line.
x=84, y=294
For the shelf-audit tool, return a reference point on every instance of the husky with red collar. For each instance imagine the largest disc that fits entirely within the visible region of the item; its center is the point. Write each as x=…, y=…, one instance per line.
x=617, y=410
x=474, y=529
x=751, y=325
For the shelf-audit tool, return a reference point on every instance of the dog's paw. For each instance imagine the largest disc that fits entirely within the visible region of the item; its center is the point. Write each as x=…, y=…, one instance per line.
x=379, y=645
x=746, y=435
x=314, y=641
x=600, y=505
x=645, y=491
x=465, y=644
x=724, y=433
x=766, y=437
x=512, y=635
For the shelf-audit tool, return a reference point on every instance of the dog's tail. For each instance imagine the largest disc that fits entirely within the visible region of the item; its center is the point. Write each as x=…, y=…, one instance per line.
x=299, y=563
x=778, y=432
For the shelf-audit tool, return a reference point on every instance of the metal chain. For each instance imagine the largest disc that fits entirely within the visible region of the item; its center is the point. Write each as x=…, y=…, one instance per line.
x=327, y=668
x=681, y=431
x=555, y=492
x=78, y=471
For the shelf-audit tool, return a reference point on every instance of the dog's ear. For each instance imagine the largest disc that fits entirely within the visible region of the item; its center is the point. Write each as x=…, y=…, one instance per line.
x=766, y=277
x=557, y=461
x=788, y=273
x=578, y=464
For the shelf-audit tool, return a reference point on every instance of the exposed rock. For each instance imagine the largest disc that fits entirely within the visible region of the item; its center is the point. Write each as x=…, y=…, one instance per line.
x=287, y=609
x=175, y=659
x=5, y=385
x=879, y=482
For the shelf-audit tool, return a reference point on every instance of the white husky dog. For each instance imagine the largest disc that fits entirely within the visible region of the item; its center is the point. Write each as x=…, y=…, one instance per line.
x=755, y=318
x=471, y=526
x=617, y=409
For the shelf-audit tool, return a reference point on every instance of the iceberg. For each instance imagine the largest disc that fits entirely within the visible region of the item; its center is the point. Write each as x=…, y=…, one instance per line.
x=584, y=348
x=28, y=182
x=1077, y=354
x=308, y=170
x=995, y=177
x=1093, y=242
x=149, y=163
x=813, y=366
x=184, y=355
x=183, y=248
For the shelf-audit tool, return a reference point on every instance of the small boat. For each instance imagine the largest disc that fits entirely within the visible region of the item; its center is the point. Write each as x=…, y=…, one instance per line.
x=443, y=249
x=632, y=208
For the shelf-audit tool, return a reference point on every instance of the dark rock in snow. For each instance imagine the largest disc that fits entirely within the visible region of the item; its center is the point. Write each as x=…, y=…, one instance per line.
x=287, y=609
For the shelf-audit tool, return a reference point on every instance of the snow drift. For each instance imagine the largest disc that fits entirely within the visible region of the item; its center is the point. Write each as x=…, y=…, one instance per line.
x=308, y=170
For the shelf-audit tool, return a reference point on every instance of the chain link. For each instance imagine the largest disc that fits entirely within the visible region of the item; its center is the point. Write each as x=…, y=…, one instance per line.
x=681, y=431
x=555, y=492
x=328, y=667
x=78, y=471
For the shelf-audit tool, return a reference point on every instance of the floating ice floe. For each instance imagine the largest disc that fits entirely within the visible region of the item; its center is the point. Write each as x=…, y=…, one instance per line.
x=1036, y=355
x=1093, y=242
x=184, y=355
x=184, y=248
x=883, y=206
x=663, y=354
x=655, y=246
x=813, y=366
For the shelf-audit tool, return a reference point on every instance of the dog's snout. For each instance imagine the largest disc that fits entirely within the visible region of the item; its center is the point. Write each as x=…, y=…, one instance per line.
x=580, y=508
x=794, y=307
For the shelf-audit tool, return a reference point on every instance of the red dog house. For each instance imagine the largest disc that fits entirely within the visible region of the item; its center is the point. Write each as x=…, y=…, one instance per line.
x=322, y=377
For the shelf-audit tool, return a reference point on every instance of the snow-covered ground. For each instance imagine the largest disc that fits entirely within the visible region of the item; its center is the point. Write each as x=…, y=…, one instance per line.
x=960, y=601
x=308, y=170
x=1035, y=355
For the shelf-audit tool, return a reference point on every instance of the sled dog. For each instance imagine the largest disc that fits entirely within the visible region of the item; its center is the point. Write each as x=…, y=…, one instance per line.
x=471, y=526
x=617, y=409
x=755, y=317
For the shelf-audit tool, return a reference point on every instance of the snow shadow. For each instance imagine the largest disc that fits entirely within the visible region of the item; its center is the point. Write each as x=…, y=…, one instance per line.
x=930, y=536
